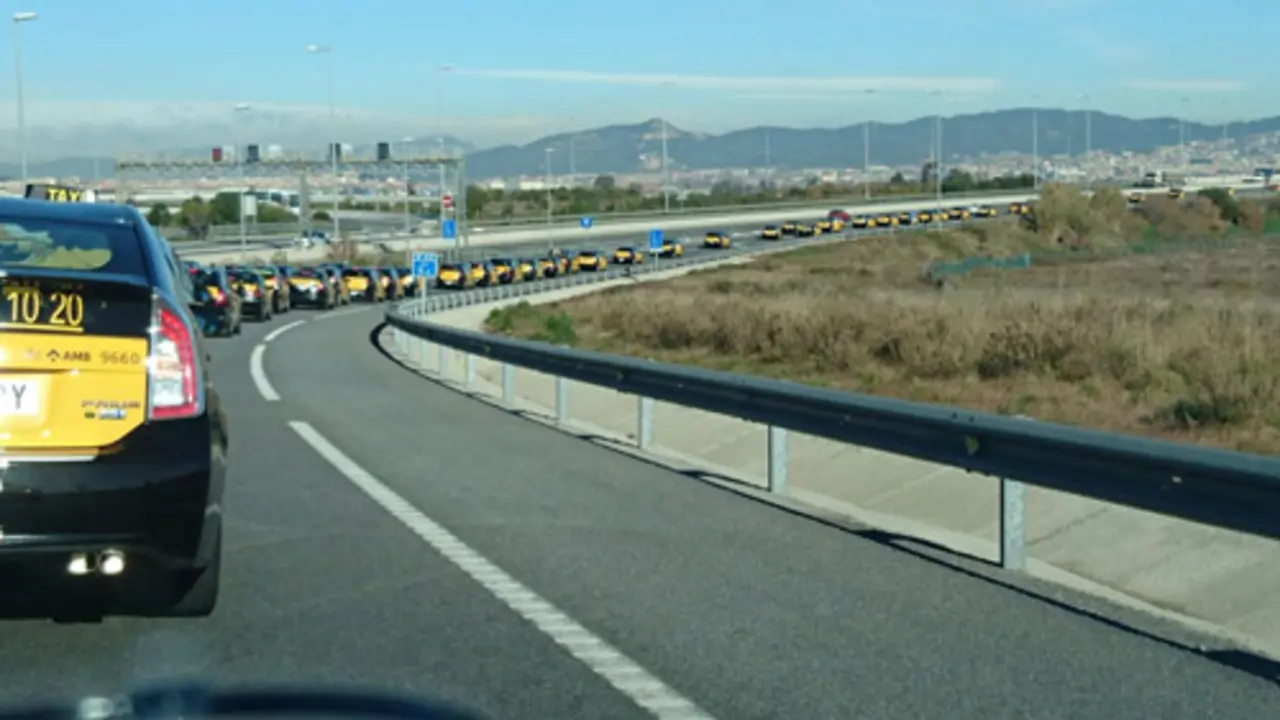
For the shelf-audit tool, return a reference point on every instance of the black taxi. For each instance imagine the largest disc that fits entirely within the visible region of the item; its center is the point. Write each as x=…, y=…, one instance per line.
x=115, y=444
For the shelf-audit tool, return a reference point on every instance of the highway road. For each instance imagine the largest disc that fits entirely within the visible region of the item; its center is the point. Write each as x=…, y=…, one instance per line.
x=385, y=530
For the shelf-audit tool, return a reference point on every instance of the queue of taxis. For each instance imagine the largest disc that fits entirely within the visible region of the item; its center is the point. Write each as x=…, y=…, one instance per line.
x=838, y=220
x=115, y=440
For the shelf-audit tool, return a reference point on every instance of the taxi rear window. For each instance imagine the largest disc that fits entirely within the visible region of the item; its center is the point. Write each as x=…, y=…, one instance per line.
x=304, y=272
x=355, y=273
x=245, y=275
x=450, y=266
x=68, y=245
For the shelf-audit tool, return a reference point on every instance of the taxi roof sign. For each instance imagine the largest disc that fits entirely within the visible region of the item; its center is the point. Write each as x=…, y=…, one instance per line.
x=58, y=193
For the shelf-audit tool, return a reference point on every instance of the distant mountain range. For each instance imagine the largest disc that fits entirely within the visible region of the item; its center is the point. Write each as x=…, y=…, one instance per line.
x=620, y=149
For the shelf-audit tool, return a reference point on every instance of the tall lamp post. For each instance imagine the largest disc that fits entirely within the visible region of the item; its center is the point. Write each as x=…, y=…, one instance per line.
x=333, y=130
x=18, y=19
x=241, y=109
x=549, y=151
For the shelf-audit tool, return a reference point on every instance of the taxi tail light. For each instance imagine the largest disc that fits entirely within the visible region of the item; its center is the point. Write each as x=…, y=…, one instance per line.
x=172, y=381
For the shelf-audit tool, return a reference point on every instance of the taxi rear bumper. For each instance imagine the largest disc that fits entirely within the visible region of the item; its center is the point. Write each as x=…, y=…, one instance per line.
x=158, y=498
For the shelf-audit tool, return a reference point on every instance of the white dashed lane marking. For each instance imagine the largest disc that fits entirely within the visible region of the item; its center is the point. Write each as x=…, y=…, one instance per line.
x=633, y=681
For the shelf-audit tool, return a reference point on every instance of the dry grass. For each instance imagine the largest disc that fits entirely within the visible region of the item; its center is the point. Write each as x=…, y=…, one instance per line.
x=1182, y=344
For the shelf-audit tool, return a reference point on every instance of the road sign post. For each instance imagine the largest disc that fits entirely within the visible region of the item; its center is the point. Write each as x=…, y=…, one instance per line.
x=655, y=245
x=426, y=267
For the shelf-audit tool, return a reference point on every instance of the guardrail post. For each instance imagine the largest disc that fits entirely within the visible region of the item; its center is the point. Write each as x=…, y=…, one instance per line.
x=470, y=364
x=508, y=385
x=562, y=401
x=1013, y=524
x=778, y=460
x=644, y=423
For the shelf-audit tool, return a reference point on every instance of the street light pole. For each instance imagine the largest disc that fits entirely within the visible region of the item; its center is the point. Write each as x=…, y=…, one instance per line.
x=18, y=19
x=333, y=131
x=240, y=160
x=866, y=156
x=549, y=151
x=1035, y=140
x=408, y=148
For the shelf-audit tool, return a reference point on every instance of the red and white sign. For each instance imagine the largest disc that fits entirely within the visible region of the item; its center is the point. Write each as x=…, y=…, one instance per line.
x=447, y=201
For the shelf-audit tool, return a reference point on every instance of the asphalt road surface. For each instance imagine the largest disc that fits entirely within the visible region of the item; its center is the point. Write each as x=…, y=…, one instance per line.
x=384, y=530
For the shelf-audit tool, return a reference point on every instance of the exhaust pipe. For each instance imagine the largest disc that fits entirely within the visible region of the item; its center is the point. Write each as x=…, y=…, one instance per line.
x=107, y=562
x=111, y=562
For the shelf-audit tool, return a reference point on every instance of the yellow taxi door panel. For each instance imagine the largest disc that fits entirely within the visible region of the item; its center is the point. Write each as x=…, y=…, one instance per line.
x=73, y=364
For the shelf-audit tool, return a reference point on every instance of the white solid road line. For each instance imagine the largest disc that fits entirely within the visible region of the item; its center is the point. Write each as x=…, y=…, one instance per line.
x=282, y=330
x=259, y=375
x=343, y=313
x=256, y=369
x=618, y=670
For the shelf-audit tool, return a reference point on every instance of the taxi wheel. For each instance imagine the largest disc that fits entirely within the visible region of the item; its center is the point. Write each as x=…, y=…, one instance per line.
x=197, y=590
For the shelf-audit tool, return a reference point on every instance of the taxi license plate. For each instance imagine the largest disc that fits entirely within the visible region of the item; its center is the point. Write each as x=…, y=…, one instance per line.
x=19, y=398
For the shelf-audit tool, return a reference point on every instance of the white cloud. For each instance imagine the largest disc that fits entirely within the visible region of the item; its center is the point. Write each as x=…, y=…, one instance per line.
x=809, y=97
x=746, y=84
x=1192, y=86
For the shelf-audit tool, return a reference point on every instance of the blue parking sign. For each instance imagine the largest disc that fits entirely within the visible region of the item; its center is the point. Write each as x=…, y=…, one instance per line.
x=426, y=265
x=655, y=240
x=584, y=223
x=449, y=229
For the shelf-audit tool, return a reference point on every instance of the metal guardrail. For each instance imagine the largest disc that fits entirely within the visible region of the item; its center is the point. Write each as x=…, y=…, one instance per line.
x=1230, y=490
x=220, y=231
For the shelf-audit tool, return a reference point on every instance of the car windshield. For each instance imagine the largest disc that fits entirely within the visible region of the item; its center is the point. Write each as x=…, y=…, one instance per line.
x=355, y=273
x=304, y=272
x=66, y=245
x=245, y=276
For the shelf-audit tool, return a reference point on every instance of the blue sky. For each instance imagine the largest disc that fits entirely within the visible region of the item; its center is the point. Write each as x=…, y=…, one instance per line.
x=135, y=54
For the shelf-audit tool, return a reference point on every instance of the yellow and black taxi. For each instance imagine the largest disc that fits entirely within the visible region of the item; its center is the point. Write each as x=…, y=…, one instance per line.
x=217, y=306
x=256, y=299
x=483, y=274
x=805, y=230
x=506, y=269
x=837, y=225
x=115, y=442
x=1019, y=208
x=628, y=255
x=960, y=213
x=718, y=240
x=1136, y=198
x=906, y=217
x=547, y=267
x=408, y=283
x=277, y=282
x=671, y=249
x=527, y=269
x=788, y=227
x=389, y=279
x=924, y=217
x=455, y=276
x=310, y=287
x=364, y=284
x=1177, y=194
x=985, y=211
x=822, y=226
x=563, y=261
x=771, y=232
x=333, y=277
x=591, y=261
x=860, y=222
x=886, y=220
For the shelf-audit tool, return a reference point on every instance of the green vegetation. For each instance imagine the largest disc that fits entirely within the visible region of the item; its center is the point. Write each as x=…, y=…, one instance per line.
x=604, y=196
x=196, y=216
x=1164, y=321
